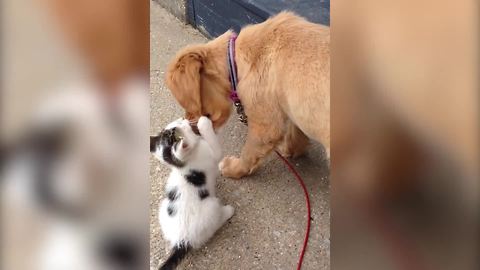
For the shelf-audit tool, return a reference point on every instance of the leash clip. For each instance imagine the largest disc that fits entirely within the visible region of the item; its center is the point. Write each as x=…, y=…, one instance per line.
x=243, y=119
x=241, y=112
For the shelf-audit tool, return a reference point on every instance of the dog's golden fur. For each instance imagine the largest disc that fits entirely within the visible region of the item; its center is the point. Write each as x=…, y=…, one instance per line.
x=284, y=85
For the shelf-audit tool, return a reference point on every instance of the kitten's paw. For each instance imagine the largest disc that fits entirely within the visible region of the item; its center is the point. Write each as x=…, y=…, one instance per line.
x=232, y=167
x=228, y=210
x=204, y=124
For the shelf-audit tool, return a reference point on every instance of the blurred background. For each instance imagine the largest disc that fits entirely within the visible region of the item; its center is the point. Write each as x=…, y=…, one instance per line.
x=405, y=134
x=74, y=123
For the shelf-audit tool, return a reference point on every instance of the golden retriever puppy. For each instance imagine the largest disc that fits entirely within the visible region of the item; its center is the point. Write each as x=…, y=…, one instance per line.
x=283, y=83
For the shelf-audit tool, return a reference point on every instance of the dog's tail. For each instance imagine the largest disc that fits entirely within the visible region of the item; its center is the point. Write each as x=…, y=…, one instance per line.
x=176, y=256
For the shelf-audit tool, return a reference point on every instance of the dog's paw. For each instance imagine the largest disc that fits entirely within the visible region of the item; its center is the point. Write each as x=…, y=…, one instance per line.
x=232, y=167
x=204, y=124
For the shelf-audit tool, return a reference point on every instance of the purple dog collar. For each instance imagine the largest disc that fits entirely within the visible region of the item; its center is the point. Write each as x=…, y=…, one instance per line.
x=232, y=71
x=232, y=67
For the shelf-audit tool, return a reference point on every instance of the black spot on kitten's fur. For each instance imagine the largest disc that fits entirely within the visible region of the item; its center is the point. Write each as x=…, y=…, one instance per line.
x=171, y=209
x=170, y=158
x=173, y=194
x=196, y=178
x=167, y=137
x=168, y=141
x=203, y=193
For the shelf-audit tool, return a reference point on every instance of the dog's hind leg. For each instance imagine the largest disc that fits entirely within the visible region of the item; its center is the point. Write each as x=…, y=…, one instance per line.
x=294, y=143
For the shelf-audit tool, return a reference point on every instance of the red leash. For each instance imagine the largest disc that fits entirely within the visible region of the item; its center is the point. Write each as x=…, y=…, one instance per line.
x=307, y=232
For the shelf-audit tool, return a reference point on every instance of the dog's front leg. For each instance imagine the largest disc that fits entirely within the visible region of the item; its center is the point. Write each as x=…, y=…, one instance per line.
x=261, y=140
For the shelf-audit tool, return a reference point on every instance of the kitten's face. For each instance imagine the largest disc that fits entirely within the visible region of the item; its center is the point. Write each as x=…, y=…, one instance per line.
x=174, y=144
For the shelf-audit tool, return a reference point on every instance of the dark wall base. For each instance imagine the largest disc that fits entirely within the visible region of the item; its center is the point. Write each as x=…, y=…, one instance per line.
x=214, y=17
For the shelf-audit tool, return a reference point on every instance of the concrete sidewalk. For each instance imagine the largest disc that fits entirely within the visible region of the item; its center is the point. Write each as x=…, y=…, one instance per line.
x=268, y=227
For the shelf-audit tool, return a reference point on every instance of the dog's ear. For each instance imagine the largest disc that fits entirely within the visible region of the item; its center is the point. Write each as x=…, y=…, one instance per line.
x=183, y=79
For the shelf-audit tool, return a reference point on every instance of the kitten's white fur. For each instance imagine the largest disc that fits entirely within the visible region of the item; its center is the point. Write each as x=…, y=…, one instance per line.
x=196, y=220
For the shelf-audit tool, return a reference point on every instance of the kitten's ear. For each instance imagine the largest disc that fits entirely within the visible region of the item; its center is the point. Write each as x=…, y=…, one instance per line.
x=153, y=143
x=183, y=149
x=184, y=146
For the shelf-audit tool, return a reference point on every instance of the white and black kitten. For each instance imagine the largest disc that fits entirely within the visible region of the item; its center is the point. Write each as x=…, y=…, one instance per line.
x=191, y=213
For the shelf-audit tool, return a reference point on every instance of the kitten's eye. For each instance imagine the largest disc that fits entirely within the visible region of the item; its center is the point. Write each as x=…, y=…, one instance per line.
x=208, y=115
x=178, y=136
